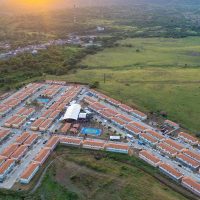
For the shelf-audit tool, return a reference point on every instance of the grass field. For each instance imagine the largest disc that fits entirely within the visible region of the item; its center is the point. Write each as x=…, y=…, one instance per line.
x=171, y=90
x=144, y=52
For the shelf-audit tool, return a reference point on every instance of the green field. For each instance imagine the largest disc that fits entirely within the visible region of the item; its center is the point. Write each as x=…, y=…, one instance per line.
x=145, y=52
x=89, y=175
x=154, y=79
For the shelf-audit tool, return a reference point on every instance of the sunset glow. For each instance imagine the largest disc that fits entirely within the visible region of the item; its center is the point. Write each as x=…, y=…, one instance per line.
x=35, y=4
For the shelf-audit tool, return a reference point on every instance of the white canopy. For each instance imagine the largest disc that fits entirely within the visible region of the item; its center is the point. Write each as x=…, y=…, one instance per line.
x=82, y=115
x=72, y=112
x=115, y=137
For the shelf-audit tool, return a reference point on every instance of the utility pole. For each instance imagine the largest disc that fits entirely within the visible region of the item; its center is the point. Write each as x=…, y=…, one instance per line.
x=104, y=78
x=75, y=17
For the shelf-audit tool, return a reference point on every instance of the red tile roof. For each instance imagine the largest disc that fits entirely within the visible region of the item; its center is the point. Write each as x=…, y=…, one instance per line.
x=167, y=149
x=149, y=138
x=117, y=146
x=29, y=170
x=171, y=170
x=6, y=165
x=149, y=156
x=174, y=144
x=191, y=182
x=188, y=160
x=188, y=137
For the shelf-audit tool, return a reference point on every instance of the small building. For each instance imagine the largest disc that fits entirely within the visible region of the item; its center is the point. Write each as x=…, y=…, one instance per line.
x=20, y=140
x=115, y=137
x=155, y=134
x=132, y=130
x=174, y=144
x=42, y=156
x=188, y=162
x=191, y=185
x=93, y=144
x=52, y=143
x=188, y=138
x=117, y=147
x=31, y=140
x=149, y=158
x=192, y=154
x=74, y=141
x=171, y=124
x=118, y=122
x=139, y=114
x=20, y=152
x=6, y=168
x=170, y=171
x=29, y=173
x=166, y=149
x=147, y=139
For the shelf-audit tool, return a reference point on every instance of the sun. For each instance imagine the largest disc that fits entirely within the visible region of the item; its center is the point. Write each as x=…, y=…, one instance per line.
x=36, y=3
x=33, y=4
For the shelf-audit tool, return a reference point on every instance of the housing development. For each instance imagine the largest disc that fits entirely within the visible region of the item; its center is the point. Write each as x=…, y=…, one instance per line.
x=41, y=116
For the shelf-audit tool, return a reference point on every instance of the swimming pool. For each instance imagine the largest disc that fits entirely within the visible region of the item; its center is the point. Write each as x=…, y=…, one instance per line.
x=91, y=131
x=43, y=100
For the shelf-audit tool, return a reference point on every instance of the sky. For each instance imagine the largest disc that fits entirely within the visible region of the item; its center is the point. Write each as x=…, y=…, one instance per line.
x=34, y=5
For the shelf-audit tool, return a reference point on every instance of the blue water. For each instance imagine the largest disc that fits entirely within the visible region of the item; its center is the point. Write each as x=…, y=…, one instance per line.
x=91, y=131
x=43, y=100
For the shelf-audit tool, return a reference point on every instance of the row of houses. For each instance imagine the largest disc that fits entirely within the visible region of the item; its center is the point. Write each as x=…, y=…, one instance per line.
x=10, y=103
x=12, y=154
x=188, y=138
x=15, y=121
x=39, y=160
x=49, y=115
x=168, y=170
x=43, y=155
x=4, y=134
x=118, y=119
x=96, y=144
x=173, y=149
x=136, y=113
x=51, y=91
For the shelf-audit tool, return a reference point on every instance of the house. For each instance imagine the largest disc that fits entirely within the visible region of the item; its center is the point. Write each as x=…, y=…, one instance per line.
x=188, y=138
x=188, y=162
x=147, y=139
x=74, y=141
x=170, y=171
x=149, y=158
x=174, y=144
x=29, y=173
x=191, y=185
x=6, y=168
x=93, y=144
x=52, y=143
x=42, y=156
x=117, y=147
x=171, y=124
x=166, y=149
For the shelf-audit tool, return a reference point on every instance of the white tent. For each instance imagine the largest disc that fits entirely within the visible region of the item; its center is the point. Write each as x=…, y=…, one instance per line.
x=72, y=112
